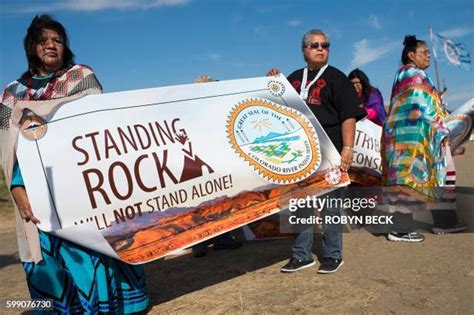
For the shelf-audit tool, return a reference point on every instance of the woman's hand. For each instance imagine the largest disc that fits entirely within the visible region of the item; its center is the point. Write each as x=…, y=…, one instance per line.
x=23, y=204
x=346, y=158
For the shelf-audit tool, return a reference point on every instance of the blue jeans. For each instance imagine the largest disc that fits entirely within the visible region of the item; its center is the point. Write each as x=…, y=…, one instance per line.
x=332, y=237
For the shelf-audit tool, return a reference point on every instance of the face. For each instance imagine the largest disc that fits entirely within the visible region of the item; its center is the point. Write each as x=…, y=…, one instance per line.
x=316, y=57
x=420, y=57
x=357, y=84
x=50, y=51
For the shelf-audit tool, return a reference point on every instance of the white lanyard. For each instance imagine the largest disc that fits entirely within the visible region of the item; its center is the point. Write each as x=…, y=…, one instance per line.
x=305, y=89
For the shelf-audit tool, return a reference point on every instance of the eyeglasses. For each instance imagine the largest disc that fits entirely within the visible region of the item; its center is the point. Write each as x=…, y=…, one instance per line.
x=316, y=45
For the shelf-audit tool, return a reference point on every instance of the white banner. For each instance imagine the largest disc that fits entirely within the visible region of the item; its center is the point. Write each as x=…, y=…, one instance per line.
x=459, y=123
x=139, y=174
x=366, y=166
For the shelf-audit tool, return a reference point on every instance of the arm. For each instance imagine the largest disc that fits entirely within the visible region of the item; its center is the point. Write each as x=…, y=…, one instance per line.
x=350, y=111
x=20, y=196
x=348, y=135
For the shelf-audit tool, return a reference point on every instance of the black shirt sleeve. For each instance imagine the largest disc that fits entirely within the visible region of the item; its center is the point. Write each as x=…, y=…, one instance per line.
x=346, y=100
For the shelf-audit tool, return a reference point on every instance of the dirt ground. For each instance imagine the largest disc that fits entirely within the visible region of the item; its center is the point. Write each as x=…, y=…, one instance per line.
x=379, y=277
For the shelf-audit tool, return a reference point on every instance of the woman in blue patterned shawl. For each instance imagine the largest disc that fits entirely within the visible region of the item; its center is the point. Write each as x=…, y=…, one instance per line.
x=414, y=139
x=76, y=279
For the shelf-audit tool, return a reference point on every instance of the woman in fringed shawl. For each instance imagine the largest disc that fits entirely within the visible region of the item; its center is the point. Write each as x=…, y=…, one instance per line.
x=76, y=279
x=414, y=140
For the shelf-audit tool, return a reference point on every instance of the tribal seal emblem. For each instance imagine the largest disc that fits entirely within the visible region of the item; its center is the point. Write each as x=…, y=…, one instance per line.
x=276, y=88
x=278, y=142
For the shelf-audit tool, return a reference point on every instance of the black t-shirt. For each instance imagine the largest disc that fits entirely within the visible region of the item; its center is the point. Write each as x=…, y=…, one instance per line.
x=332, y=99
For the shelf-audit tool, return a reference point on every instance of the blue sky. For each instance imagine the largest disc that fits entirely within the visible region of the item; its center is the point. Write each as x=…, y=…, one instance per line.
x=143, y=44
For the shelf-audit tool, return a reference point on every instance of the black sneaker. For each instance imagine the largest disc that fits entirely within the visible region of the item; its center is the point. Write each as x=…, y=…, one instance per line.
x=330, y=265
x=296, y=264
x=412, y=237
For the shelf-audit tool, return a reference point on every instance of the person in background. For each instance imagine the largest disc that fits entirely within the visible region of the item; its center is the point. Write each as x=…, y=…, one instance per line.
x=76, y=279
x=369, y=95
x=415, y=148
x=333, y=100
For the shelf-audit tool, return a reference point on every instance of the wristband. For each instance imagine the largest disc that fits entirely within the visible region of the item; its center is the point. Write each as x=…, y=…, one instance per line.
x=348, y=147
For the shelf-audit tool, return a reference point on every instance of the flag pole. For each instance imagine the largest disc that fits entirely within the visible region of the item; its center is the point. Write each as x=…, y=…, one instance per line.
x=435, y=62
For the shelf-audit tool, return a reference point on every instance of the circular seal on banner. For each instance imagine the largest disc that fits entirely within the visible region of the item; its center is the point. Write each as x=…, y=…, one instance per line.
x=333, y=175
x=276, y=88
x=33, y=127
x=280, y=143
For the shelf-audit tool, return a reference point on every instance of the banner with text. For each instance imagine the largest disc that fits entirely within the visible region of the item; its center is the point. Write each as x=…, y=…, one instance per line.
x=140, y=174
x=366, y=168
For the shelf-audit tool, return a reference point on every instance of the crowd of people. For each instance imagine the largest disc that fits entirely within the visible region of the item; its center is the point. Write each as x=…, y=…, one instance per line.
x=415, y=153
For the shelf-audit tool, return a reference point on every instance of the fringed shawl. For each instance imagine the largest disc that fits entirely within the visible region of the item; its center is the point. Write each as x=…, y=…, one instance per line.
x=64, y=86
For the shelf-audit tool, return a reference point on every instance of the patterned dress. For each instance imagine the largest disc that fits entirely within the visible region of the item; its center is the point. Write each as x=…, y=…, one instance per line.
x=414, y=146
x=76, y=279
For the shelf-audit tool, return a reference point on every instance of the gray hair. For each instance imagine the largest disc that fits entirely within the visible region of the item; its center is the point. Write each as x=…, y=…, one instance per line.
x=305, y=41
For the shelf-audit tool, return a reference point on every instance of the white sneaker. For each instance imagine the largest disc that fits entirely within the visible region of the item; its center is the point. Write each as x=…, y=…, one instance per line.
x=412, y=237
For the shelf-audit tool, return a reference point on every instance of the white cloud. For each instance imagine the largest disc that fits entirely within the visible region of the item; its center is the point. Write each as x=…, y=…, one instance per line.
x=294, y=23
x=365, y=52
x=457, y=32
x=91, y=5
x=373, y=21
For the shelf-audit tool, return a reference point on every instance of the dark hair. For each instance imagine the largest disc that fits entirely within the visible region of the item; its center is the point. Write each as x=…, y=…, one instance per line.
x=364, y=81
x=410, y=44
x=33, y=35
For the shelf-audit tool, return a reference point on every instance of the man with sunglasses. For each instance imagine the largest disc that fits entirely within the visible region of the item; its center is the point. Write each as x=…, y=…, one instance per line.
x=333, y=100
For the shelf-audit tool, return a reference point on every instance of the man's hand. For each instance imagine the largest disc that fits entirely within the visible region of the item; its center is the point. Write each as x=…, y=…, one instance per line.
x=23, y=204
x=273, y=72
x=348, y=128
x=346, y=158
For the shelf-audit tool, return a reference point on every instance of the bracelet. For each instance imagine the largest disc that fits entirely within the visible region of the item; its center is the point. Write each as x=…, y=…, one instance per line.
x=348, y=147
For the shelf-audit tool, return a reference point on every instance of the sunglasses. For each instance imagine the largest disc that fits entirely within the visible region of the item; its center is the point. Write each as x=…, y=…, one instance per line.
x=316, y=45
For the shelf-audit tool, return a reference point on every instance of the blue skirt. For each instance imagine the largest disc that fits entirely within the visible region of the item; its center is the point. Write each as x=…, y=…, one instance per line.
x=79, y=280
